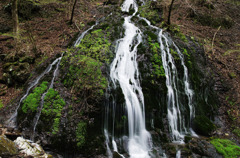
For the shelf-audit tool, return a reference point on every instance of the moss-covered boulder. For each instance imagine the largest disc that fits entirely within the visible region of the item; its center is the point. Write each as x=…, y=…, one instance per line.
x=203, y=125
x=226, y=147
x=7, y=147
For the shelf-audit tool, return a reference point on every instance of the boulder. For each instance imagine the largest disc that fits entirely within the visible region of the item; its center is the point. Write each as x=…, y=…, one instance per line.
x=7, y=147
x=203, y=125
x=29, y=148
x=203, y=148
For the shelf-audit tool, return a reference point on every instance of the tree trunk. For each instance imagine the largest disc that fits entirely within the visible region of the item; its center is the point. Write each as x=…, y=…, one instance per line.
x=69, y=8
x=169, y=15
x=15, y=19
x=73, y=12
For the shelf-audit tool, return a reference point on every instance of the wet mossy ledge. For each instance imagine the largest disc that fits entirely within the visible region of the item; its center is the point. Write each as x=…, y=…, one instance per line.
x=203, y=125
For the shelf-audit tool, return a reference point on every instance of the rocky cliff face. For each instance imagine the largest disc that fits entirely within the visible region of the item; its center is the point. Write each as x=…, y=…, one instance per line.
x=69, y=114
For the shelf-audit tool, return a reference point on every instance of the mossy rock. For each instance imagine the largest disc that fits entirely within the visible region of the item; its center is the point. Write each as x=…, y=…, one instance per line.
x=203, y=125
x=116, y=155
x=187, y=139
x=7, y=147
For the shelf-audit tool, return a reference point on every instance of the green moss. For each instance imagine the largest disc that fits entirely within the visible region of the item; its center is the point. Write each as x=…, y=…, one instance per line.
x=80, y=134
x=1, y=104
x=151, y=35
x=148, y=13
x=226, y=147
x=96, y=45
x=156, y=59
x=52, y=108
x=203, y=125
x=7, y=147
x=33, y=99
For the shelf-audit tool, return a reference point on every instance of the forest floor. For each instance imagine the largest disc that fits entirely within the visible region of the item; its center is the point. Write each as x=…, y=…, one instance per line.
x=50, y=32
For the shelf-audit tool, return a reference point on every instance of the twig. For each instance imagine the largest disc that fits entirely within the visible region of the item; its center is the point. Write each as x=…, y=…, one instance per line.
x=77, y=26
x=214, y=38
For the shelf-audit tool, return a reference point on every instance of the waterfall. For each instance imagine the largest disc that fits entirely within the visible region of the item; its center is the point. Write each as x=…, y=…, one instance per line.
x=176, y=123
x=12, y=121
x=178, y=154
x=38, y=114
x=124, y=72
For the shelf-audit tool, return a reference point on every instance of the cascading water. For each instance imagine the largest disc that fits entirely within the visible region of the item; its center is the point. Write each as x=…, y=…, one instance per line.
x=37, y=116
x=12, y=121
x=176, y=123
x=124, y=71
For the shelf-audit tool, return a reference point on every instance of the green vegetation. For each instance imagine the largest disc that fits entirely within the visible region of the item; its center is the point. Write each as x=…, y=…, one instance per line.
x=52, y=108
x=96, y=45
x=176, y=30
x=156, y=59
x=148, y=13
x=80, y=134
x=1, y=104
x=33, y=99
x=226, y=148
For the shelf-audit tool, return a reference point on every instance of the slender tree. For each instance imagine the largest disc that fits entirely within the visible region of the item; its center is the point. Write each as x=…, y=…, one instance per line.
x=15, y=19
x=169, y=15
x=73, y=12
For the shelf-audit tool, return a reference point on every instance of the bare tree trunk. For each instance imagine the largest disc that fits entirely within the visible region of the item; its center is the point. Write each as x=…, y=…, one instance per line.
x=169, y=15
x=73, y=12
x=15, y=19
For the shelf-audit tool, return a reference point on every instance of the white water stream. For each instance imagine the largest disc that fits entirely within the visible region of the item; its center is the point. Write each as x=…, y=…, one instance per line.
x=12, y=121
x=176, y=121
x=38, y=114
x=124, y=71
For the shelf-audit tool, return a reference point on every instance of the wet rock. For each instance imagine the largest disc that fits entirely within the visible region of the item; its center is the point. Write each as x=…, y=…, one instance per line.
x=116, y=155
x=187, y=139
x=30, y=149
x=203, y=125
x=7, y=147
x=203, y=148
